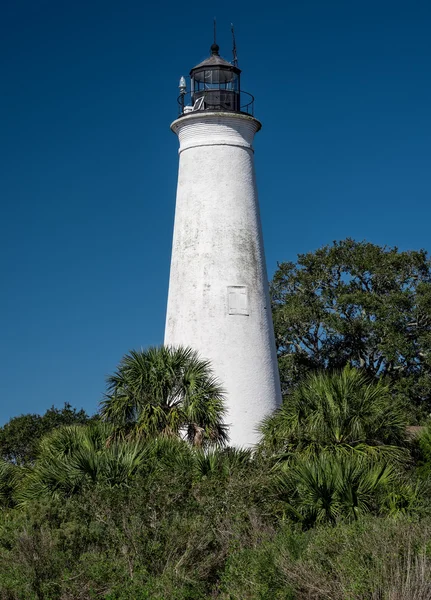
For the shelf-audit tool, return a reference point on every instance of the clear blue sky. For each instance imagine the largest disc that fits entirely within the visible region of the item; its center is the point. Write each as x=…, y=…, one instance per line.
x=88, y=164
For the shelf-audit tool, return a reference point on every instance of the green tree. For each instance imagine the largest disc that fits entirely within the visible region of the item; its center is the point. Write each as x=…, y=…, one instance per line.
x=166, y=391
x=337, y=412
x=19, y=438
x=361, y=304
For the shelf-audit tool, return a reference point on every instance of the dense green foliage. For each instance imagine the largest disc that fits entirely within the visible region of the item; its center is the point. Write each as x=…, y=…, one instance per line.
x=330, y=506
x=72, y=457
x=195, y=524
x=360, y=304
x=19, y=438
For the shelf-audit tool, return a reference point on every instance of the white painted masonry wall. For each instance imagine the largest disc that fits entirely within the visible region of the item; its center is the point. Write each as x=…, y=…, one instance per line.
x=218, y=299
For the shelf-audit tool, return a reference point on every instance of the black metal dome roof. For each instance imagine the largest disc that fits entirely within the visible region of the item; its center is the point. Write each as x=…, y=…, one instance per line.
x=215, y=60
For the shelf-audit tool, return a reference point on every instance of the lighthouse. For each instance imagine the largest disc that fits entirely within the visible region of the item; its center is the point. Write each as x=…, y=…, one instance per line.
x=218, y=301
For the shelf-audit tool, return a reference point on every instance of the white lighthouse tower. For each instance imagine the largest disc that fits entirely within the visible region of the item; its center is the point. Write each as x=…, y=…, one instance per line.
x=218, y=289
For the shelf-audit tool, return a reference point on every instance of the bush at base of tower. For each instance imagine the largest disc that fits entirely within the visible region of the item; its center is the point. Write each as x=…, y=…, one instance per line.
x=335, y=503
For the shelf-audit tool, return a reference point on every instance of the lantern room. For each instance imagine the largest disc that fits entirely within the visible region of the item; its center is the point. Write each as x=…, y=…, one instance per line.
x=216, y=83
x=214, y=86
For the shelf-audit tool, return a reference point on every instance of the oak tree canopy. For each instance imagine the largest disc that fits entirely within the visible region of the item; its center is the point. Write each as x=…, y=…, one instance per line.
x=361, y=304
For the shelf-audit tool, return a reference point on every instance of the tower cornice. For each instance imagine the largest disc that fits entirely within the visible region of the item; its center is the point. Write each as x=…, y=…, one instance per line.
x=215, y=128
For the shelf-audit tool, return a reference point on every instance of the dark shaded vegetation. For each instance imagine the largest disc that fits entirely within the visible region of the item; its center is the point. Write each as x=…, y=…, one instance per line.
x=148, y=501
x=222, y=523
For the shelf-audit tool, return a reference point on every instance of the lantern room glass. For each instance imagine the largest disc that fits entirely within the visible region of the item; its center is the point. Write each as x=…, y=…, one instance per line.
x=219, y=88
x=215, y=79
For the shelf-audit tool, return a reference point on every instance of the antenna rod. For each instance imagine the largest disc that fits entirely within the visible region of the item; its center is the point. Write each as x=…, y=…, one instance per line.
x=215, y=30
x=235, y=56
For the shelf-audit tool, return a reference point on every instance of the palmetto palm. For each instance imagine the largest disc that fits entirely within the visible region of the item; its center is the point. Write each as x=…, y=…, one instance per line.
x=166, y=391
x=221, y=463
x=328, y=487
x=75, y=456
x=337, y=411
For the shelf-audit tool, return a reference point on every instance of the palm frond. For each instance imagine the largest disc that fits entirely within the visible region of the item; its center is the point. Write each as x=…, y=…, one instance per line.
x=166, y=391
x=340, y=409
